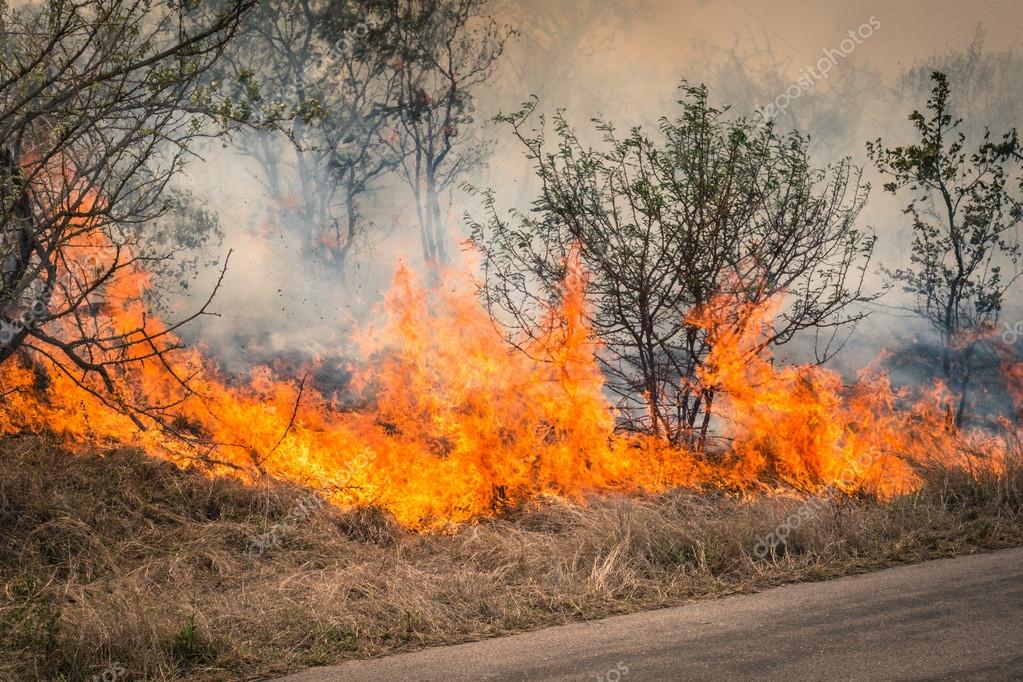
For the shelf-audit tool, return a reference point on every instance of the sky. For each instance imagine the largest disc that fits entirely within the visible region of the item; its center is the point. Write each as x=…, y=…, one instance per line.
x=635, y=47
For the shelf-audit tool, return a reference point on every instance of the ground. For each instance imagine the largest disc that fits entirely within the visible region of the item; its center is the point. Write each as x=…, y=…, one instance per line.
x=958, y=618
x=114, y=561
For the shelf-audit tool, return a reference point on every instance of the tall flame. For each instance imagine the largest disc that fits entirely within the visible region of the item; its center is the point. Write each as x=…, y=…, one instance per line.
x=802, y=424
x=447, y=421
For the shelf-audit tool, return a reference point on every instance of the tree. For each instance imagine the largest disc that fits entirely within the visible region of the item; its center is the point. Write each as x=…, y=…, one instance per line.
x=441, y=51
x=984, y=81
x=318, y=74
x=364, y=88
x=665, y=225
x=964, y=217
x=101, y=102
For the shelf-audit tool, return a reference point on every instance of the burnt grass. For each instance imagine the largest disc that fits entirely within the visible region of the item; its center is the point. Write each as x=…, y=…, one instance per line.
x=115, y=562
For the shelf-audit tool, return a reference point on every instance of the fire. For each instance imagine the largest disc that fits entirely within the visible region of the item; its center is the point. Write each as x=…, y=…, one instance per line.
x=457, y=422
x=801, y=424
x=1012, y=370
x=446, y=421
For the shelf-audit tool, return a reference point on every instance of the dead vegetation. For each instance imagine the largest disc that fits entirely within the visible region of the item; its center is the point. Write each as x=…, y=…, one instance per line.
x=121, y=563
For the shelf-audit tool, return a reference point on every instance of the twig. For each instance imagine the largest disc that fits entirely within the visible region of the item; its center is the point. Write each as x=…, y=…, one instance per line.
x=294, y=413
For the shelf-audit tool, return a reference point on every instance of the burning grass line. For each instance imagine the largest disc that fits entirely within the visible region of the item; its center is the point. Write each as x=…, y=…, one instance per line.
x=448, y=424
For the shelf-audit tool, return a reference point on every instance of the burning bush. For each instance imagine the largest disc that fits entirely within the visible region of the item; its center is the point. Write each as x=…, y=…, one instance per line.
x=667, y=224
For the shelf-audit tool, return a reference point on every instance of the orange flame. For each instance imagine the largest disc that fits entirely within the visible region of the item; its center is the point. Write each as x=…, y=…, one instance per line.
x=448, y=422
x=801, y=424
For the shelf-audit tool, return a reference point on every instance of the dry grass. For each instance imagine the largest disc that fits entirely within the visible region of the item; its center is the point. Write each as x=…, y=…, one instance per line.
x=122, y=558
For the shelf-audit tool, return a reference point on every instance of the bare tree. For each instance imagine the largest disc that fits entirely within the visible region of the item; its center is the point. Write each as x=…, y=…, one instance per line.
x=965, y=215
x=441, y=51
x=665, y=225
x=319, y=75
x=100, y=104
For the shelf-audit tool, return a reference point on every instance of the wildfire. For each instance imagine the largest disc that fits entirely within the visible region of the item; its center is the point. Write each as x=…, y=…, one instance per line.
x=802, y=424
x=446, y=421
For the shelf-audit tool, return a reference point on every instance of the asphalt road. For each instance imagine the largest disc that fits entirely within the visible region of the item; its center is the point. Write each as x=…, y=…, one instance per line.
x=959, y=619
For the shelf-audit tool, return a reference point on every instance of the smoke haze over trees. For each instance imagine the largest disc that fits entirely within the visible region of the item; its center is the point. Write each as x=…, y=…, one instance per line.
x=339, y=135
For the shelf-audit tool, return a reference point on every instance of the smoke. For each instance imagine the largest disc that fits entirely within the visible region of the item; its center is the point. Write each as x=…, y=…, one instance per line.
x=621, y=60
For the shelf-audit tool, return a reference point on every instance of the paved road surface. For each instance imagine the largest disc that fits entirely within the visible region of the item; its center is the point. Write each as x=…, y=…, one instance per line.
x=956, y=619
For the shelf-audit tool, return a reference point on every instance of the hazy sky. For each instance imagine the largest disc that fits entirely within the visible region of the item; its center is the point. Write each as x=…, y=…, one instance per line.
x=635, y=42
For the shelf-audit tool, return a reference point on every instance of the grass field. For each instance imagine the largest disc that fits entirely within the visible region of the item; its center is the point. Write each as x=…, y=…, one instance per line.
x=121, y=566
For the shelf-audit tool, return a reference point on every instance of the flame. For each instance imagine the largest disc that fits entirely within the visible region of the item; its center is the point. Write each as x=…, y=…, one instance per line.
x=801, y=424
x=457, y=422
x=446, y=421
x=1012, y=372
